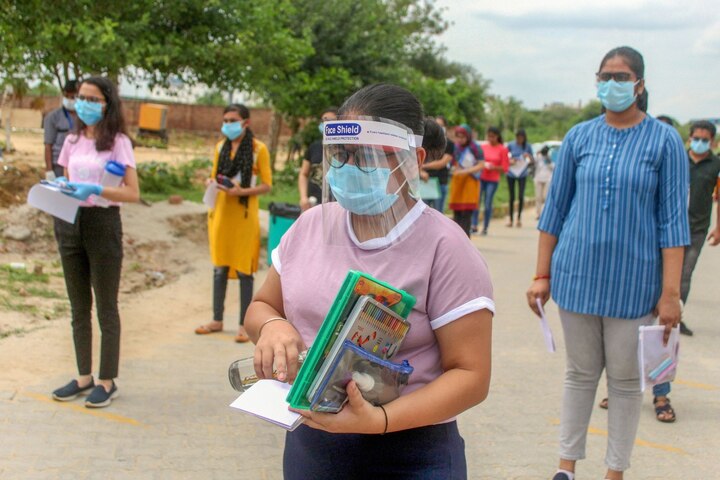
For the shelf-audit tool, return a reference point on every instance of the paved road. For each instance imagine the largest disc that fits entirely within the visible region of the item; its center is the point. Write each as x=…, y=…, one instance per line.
x=172, y=420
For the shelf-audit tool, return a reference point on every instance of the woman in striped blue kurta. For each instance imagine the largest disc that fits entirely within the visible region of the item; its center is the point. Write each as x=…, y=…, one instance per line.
x=611, y=239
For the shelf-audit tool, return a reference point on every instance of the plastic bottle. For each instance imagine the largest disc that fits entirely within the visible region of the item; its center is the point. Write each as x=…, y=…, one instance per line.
x=111, y=177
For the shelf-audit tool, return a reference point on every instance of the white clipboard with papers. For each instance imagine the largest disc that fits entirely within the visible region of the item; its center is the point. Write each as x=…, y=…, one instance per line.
x=51, y=200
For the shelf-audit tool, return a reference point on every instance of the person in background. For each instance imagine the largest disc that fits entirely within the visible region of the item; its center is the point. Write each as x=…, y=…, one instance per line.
x=521, y=152
x=612, y=236
x=543, y=174
x=310, y=177
x=496, y=161
x=91, y=249
x=378, y=226
x=56, y=126
x=464, y=182
x=234, y=222
x=440, y=168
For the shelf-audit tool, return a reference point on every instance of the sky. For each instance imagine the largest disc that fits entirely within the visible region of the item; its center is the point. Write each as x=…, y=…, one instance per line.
x=545, y=51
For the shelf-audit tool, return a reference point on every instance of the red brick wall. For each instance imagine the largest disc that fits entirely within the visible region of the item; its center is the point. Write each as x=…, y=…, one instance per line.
x=196, y=118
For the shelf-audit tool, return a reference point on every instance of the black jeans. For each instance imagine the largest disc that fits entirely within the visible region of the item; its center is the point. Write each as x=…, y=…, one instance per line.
x=464, y=219
x=220, y=278
x=692, y=253
x=521, y=195
x=91, y=252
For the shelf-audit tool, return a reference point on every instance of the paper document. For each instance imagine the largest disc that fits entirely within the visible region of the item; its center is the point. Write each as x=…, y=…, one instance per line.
x=210, y=195
x=51, y=200
x=547, y=333
x=658, y=362
x=266, y=400
x=519, y=167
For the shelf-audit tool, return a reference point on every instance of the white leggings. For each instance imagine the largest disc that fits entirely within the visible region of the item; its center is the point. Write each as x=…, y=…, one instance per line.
x=593, y=343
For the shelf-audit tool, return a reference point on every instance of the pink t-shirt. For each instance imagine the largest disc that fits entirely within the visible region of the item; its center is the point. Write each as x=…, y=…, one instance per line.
x=426, y=254
x=497, y=156
x=86, y=165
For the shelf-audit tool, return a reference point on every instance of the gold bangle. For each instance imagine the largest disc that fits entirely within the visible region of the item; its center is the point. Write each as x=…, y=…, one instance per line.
x=272, y=319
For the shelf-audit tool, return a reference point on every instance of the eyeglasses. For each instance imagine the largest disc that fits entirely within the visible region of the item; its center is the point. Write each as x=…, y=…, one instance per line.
x=617, y=76
x=90, y=99
x=366, y=158
x=698, y=139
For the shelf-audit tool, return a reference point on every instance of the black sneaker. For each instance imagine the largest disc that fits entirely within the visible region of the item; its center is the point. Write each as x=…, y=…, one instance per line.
x=684, y=330
x=561, y=476
x=71, y=391
x=100, y=397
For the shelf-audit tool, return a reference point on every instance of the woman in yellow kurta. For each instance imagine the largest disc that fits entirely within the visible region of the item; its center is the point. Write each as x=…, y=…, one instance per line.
x=241, y=172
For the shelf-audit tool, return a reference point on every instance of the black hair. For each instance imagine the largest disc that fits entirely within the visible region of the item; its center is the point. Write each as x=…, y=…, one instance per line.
x=521, y=132
x=544, y=150
x=635, y=61
x=384, y=100
x=665, y=119
x=112, y=122
x=497, y=132
x=71, y=86
x=703, y=125
x=241, y=110
x=433, y=139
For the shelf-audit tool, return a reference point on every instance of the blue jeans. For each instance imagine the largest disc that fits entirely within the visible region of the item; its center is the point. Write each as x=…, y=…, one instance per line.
x=661, y=389
x=425, y=453
x=488, y=189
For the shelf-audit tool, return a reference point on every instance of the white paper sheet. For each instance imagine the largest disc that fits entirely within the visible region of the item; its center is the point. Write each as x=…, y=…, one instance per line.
x=521, y=164
x=51, y=200
x=210, y=195
x=545, y=326
x=266, y=400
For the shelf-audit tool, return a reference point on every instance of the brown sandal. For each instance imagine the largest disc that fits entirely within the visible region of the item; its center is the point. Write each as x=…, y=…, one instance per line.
x=603, y=403
x=204, y=330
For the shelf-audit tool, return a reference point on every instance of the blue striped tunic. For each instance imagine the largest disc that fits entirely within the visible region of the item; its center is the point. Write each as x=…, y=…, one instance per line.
x=616, y=199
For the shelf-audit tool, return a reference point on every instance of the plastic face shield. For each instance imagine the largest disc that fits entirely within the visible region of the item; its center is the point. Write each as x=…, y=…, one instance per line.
x=371, y=177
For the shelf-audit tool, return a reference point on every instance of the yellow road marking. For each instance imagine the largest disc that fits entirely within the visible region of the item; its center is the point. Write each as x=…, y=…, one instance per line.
x=701, y=386
x=638, y=441
x=82, y=409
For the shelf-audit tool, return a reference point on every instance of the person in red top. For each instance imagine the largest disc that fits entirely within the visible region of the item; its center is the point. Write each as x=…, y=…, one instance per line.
x=496, y=160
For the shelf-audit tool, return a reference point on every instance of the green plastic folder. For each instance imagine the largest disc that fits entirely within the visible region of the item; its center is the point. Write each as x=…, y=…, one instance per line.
x=356, y=284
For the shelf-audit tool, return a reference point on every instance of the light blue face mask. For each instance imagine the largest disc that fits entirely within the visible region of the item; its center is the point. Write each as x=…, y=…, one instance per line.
x=321, y=127
x=232, y=130
x=616, y=96
x=699, y=146
x=362, y=193
x=89, y=112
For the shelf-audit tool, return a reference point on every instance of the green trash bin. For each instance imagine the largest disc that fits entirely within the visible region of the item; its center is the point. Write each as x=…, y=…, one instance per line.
x=282, y=216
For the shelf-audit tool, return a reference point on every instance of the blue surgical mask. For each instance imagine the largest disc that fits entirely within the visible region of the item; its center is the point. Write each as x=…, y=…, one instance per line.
x=89, y=112
x=362, y=193
x=699, y=146
x=616, y=96
x=321, y=127
x=232, y=130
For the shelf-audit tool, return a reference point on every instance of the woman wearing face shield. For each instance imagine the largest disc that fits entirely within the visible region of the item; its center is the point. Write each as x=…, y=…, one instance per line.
x=379, y=226
x=612, y=235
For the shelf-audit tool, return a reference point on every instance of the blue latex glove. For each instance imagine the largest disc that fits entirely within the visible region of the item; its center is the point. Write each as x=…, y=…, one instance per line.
x=84, y=190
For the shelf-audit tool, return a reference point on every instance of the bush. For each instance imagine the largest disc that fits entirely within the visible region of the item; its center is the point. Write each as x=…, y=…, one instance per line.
x=158, y=177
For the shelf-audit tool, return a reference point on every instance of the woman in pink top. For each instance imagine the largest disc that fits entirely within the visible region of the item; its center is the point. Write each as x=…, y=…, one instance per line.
x=496, y=161
x=91, y=248
x=379, y=226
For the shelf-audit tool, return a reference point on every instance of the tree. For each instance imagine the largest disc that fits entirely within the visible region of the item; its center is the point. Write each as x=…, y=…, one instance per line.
x=212, y=97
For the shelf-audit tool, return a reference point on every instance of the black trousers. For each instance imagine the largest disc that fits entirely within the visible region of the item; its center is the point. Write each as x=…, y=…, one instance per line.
x=220, y=279
x=91, y=252
x=464, y=219
x=521, y=195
